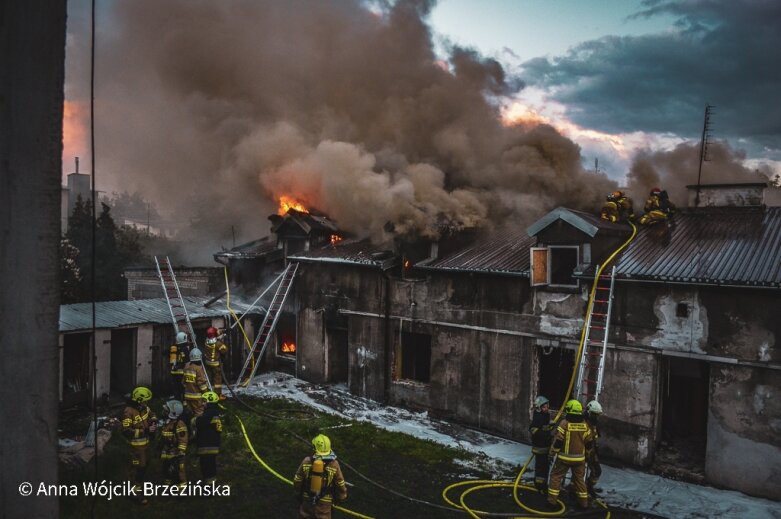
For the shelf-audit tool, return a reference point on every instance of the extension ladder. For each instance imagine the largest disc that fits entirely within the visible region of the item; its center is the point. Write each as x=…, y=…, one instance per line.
x=269, y=322
x=592, y=362
x=176, y=306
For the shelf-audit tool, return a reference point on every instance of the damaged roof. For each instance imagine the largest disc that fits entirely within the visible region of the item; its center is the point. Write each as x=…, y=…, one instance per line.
x=503, y=252
x=356, y=252
x=719, y=246
x=117, y=314
x=254, y=249
x=306, y=222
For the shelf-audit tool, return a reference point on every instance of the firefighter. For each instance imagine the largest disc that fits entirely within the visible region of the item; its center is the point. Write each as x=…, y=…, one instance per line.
x=610, y=210
x=592, y=414
x=173, y=441
x=138, y=423
x=319, y=481
x=213, y=352
x=658, y=208
x=177, y=357
x=194, y=383
x=618, y=208
x=208, y=428
x=572, y=441
x=541, y=430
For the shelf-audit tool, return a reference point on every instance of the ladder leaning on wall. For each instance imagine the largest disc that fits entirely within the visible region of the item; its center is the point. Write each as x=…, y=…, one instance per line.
x=267, y=326
x=592, y=362
x=176, y=307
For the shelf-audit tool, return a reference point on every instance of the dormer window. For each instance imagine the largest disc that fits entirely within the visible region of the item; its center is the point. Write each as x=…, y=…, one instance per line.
x=554, y=265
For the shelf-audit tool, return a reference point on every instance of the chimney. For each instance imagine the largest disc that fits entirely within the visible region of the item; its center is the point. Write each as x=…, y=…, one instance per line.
x=728, y=195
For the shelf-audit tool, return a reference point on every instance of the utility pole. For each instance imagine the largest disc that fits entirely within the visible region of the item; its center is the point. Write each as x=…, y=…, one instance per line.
x=704, y=141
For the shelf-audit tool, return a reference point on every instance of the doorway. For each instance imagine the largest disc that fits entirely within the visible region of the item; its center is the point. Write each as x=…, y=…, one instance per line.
x=123, y=361
x=75, y=368
x=553, y=373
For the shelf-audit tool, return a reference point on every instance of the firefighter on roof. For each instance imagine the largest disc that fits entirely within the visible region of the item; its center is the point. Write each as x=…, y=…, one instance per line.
x=573, y=439
x=213, y=352
x=592, y=414
x=138, y=422
x=319, y=481
x=173, y=443
x=208, y=428
x=177, y=358
x=541, y=430
x=618, y=208
x=194, y=383
x=658, y=208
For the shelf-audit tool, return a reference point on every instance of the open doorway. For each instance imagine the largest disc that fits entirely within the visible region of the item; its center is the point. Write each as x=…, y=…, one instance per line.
x=75, y=369
x=684, y=399
x=553, y=373
x=123, y=361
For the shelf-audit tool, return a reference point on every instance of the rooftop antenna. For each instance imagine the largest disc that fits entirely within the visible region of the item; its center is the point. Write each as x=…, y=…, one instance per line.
x=77, y=165
x=596, y=165
x=704, y=142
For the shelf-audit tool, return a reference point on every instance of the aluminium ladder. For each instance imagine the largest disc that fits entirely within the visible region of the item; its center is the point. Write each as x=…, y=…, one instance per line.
x=592, y=362
x=176, y=307
x=269, y=322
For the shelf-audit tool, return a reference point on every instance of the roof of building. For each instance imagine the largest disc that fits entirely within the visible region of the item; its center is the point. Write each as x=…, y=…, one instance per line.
x=254, y=249
x=118, y=314
x=724, y=246
x=504, y=252
x=307, y=222
x=356, y=252
x=588, y=223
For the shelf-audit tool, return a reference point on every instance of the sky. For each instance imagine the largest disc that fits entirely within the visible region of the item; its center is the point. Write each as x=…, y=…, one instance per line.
x=401, y=118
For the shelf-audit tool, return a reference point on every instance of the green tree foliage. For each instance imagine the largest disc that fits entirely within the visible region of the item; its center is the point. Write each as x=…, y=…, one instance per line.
x=133, y=206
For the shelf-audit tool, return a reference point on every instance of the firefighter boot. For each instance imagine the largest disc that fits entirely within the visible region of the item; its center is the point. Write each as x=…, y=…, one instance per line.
x=592, y=489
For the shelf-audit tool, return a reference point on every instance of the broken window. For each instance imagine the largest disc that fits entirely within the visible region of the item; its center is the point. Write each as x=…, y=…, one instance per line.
x=416, y=356
x=286, y=335
x=554, y=265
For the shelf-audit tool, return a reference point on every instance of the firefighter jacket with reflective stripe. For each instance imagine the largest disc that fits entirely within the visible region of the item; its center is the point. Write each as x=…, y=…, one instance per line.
x=213, y=352
x=208, y=428
x=573, y=439
x=592, y=424
x=541, y=430
x=194, y=381
x=136, y=420
x=334, y=484
x=173, y=439
x=177, y=357
x=659, y=203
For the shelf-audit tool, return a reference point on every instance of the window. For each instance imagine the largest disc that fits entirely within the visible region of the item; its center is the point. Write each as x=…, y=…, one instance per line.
x=416, y=356
x=554, y=265
x=682, y=310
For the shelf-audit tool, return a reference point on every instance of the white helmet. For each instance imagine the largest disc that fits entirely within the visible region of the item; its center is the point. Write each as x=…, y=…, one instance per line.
x=174, y=409
x=195, y=355
x=594, y=407
x=540, y=401
x=181, y=338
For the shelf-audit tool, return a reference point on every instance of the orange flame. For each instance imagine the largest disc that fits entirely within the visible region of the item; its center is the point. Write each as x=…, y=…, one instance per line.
x=288, y=347
x=335, y=238
x=287, y=202
x=74, y=138
x=407, y=264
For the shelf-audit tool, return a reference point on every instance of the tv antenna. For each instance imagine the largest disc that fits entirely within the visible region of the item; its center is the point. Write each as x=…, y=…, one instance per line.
x=704, y=142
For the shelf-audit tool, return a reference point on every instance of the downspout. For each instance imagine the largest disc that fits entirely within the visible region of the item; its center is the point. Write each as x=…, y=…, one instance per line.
x=387, y=345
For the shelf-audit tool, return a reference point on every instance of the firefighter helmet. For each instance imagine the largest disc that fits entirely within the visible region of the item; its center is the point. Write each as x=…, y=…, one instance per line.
x=141, y=394
x=195, y=355
x=322, y=445
x=573, y=407
x=181, y=338
x=615, y=195
x=174, y=409
x=655, y=191
x=211, y=332
x=540, y=401
x=211, y=397
x=594, y=407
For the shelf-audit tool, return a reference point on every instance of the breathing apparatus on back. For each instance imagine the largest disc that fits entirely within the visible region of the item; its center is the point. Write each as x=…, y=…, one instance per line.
x=318, y=475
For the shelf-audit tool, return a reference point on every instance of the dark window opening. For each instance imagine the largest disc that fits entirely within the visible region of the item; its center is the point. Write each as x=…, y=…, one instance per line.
x=555, y=370
x=682, y=310
x=338, y=359
x=75, y=375
x=563, y=261
x=286, y=335
x=123, y=361
x=416, y=356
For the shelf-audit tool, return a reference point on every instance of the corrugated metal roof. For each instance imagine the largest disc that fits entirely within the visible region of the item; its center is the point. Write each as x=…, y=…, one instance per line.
x=588, y=223
x=725, y=246
x=361, y=252
x=116, y=314
x=503, y=252
x=253, y=249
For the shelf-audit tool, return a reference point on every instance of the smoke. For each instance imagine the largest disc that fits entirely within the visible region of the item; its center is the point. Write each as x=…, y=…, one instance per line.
x=675, y=169
x=215, y=109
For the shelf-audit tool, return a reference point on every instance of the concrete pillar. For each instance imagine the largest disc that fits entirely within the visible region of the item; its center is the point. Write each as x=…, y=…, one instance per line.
x=144, y=340
x=32, y=51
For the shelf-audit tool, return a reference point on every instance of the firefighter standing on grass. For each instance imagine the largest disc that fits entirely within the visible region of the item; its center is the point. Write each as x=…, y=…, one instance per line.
x=177, y=358
x=173, y=440
x=208, y=428
x=213, y=352
x=318, y=481
x=138, y=422
x=541, y=430
x=592, y=414
x=194, y=383
x=573, y=439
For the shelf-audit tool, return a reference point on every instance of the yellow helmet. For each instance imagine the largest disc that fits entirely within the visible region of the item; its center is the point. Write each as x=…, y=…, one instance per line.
x=322, y=445
x=211, y=397
x=573, y=407
x=141, y=394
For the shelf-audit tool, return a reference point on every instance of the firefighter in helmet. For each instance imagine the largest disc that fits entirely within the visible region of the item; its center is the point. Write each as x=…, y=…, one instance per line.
x=658, y=208
x=213, y=352
x=618, y=208
x=178, y=354
x=194, y=383
x=138, y=423
x=572, y=440
x=319, y=481
x=173, y=442
x=592, y=414
x=541, y=430
x=208, y=429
